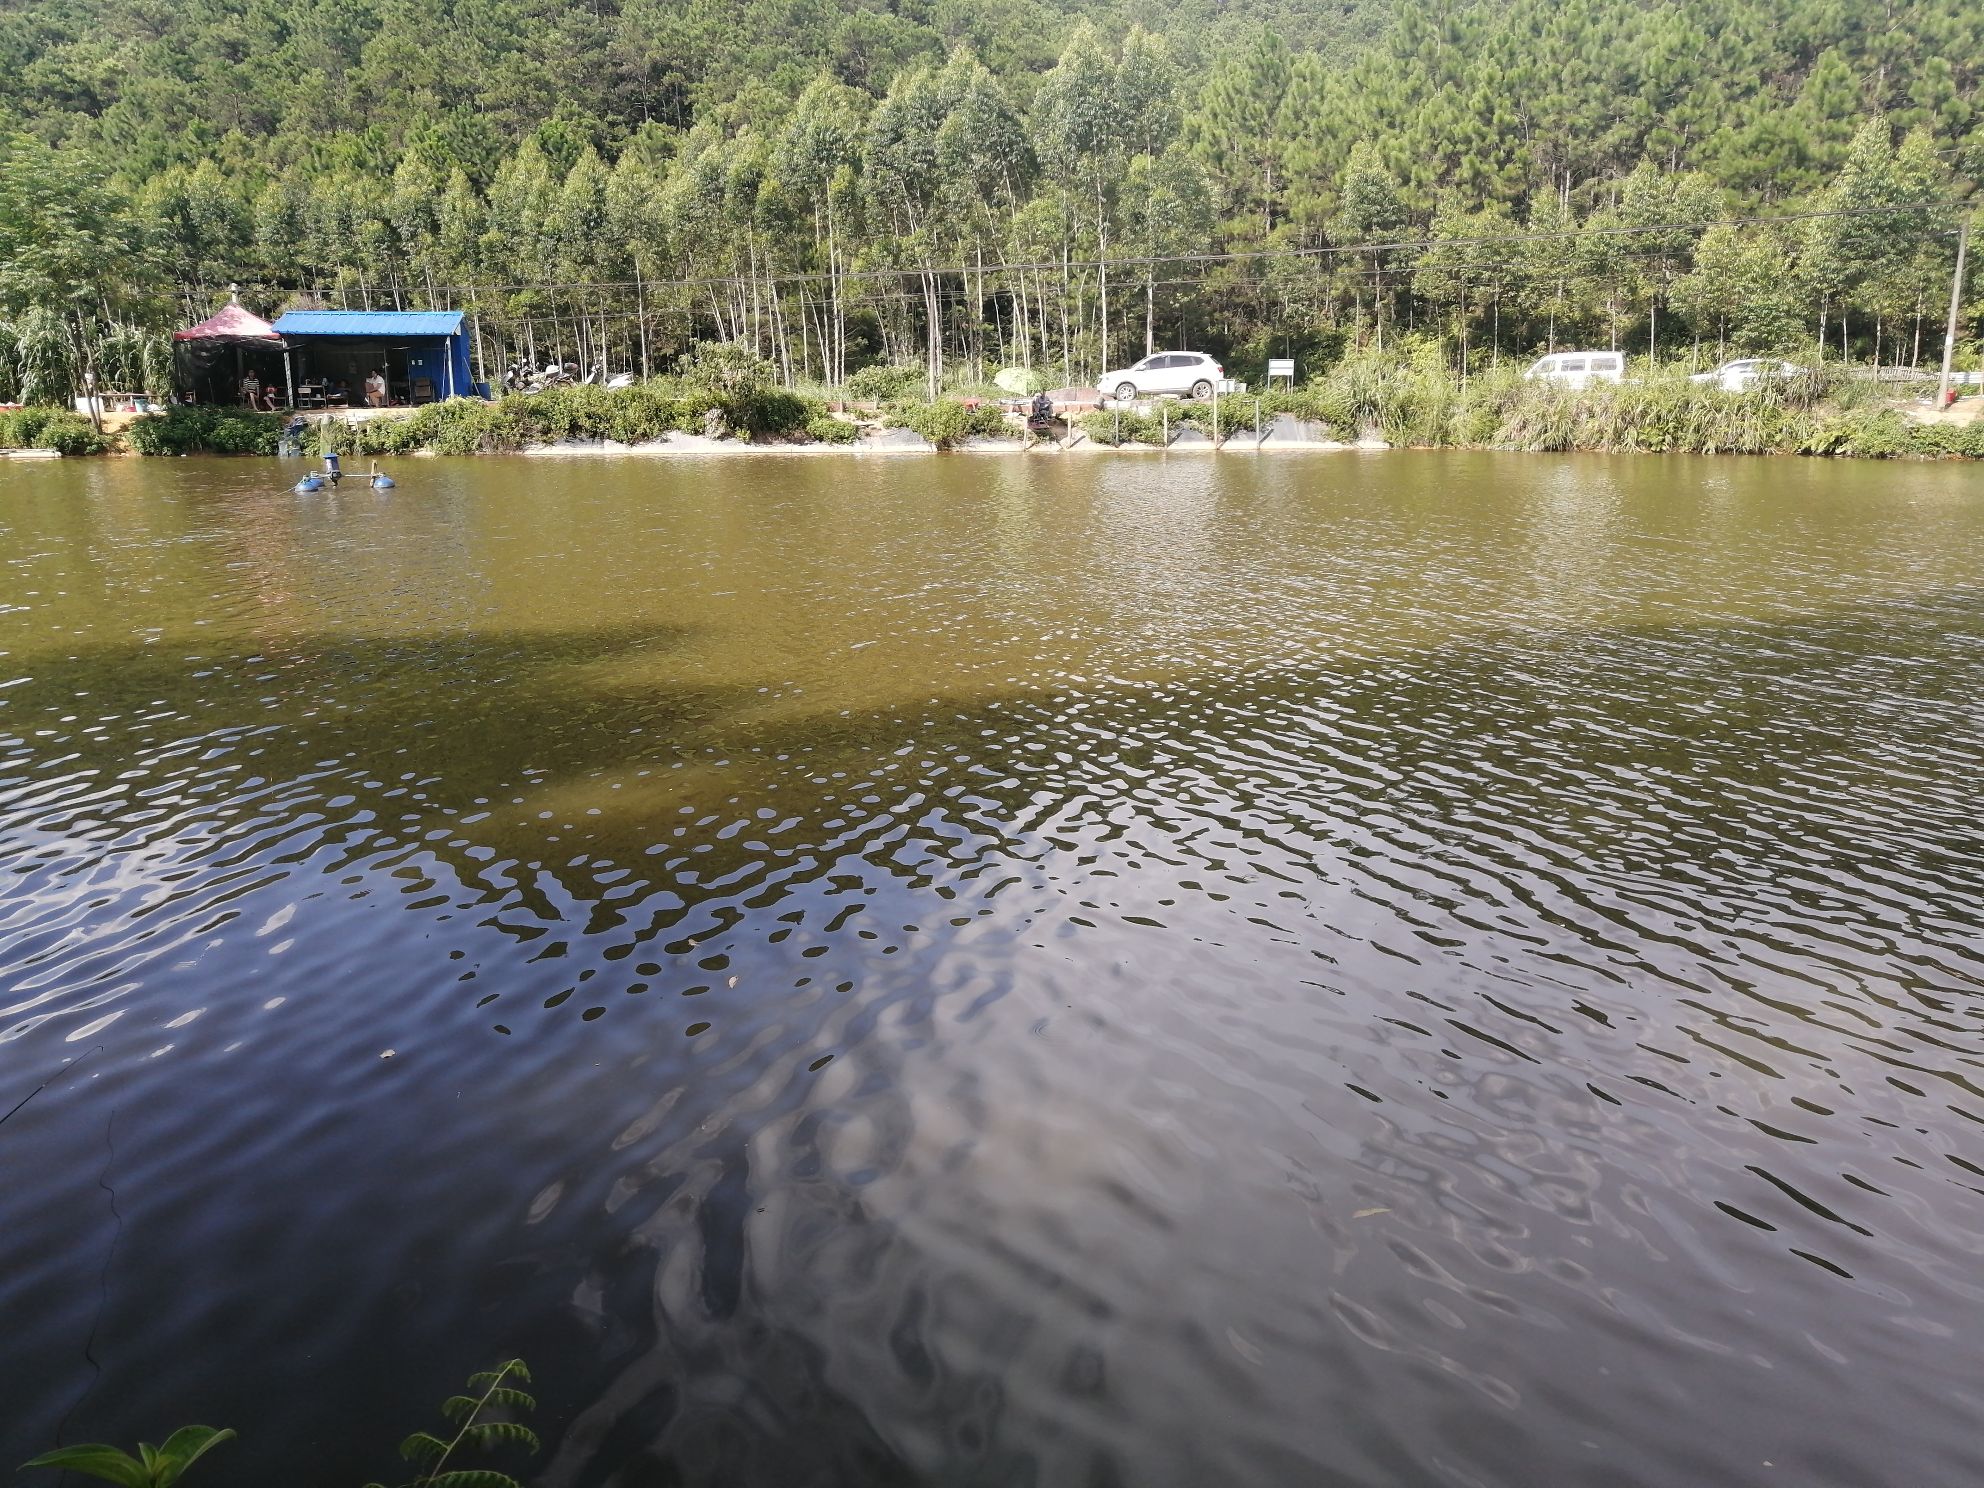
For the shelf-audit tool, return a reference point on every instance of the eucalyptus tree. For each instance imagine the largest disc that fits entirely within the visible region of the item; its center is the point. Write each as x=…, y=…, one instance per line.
x=1548, y=263
x=460, y=217
x=73, y=259
x=198, y=217
x=1915, y=279
x=1851, y=246
x=985, y=163
x=1370, y=213
x=1665, y=214
x=1747, y=289
x=814, y=161
x=413, y=207
x=1461, y=269
x=903, y=178
x=1169, y=210
x=1078, y=126
x=280, y=220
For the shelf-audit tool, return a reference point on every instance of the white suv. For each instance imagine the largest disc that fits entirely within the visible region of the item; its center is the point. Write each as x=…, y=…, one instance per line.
x=1186, y=373
x=1579, y=368
x=1741, y=376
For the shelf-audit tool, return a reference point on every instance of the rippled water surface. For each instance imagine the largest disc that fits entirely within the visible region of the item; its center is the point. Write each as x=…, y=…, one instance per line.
x=1407, y=969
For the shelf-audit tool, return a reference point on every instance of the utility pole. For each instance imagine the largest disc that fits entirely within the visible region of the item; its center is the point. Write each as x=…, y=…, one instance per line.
x=1956, y=299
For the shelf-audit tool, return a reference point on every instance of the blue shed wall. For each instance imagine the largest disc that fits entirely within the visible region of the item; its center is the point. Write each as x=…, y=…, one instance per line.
x=432, y=360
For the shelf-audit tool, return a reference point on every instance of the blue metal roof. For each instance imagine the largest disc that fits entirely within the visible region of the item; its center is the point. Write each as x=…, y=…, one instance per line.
x=372, y=324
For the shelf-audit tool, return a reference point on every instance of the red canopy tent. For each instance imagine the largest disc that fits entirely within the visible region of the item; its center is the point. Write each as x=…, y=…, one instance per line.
x=201, y=351
x=232, y=322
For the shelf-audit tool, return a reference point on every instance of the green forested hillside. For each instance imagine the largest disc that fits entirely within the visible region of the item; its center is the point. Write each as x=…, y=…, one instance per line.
x=825, y=179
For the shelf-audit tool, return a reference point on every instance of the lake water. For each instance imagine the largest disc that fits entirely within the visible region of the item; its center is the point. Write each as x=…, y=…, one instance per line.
x=1331, y=969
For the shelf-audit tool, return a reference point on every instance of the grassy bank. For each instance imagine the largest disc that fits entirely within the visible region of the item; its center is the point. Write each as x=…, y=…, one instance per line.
x=1408, y=403
x=1409, y=399
x=633, y=415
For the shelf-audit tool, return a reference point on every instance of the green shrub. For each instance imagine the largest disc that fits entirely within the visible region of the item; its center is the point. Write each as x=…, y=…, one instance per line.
x=947, y=421
x=50, y=428
x=768, y=410
x=631, y=415
x=203, y=429
x=1119, y=427
x=885, y=384
x=727, y=367
x=828, y=429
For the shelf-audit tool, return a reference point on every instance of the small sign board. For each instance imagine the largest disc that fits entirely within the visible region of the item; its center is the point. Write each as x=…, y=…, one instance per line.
x=1281, y=367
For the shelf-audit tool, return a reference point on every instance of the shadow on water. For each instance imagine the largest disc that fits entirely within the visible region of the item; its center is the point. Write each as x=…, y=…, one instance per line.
x=1287, y=1077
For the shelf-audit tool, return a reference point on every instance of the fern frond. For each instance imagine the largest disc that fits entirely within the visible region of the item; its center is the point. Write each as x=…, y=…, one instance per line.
x=421, y=1447
x=514, y=1399
x=459, y=1407
x=472, y=1478
x=516, y=1368
x=493, y=1433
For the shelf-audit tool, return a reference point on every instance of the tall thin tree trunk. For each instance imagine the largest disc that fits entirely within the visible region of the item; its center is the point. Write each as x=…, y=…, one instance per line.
x=1150, y=307
x=1067, y=352
x=641, y=317
x=1102, y=277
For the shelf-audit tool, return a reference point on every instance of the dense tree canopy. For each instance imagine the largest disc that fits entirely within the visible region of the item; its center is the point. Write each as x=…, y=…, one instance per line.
x=935, y=182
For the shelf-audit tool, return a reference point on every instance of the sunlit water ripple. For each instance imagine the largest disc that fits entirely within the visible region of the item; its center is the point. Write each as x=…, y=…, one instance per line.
x=1426, y=969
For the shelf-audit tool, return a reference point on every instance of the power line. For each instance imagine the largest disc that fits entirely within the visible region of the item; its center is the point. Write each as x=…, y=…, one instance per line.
x=1401, y=245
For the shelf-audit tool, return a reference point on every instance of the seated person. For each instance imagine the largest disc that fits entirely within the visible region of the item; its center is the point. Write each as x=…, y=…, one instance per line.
x=375, y=389
x=342, y=392
x=270, y=397
x=251, y=390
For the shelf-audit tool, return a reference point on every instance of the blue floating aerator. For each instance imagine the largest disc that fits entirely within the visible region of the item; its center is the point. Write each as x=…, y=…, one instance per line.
x=310, y=483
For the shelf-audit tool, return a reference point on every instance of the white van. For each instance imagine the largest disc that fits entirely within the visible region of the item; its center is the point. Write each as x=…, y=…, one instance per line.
x=1579, y=368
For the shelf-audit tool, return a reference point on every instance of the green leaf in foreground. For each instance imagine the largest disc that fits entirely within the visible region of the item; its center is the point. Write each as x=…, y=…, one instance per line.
x=153, y=1467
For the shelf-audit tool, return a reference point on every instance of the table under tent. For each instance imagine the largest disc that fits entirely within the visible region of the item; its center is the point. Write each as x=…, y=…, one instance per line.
x=211, y=360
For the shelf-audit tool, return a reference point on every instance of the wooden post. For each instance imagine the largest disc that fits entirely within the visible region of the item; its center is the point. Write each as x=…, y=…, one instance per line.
x=1165, y=409
x=1956, y=300
x=1215, y=416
